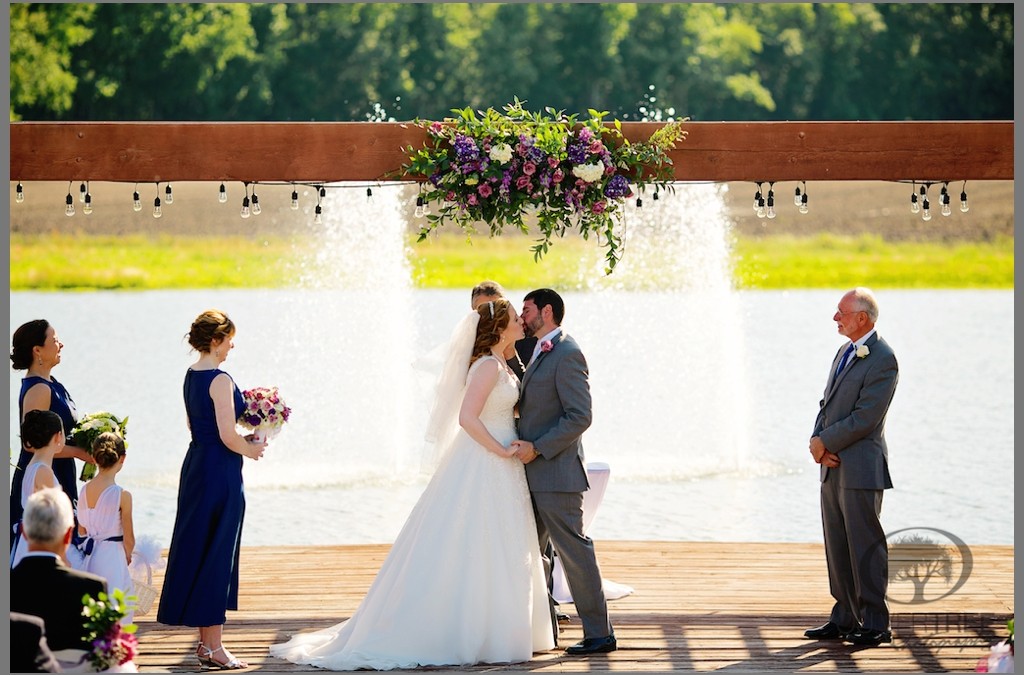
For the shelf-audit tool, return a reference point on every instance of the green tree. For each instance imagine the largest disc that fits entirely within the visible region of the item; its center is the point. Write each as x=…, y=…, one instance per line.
x=42, y=39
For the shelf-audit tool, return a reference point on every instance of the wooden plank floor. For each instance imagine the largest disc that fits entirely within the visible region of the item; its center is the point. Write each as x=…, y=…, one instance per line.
x=696, y=606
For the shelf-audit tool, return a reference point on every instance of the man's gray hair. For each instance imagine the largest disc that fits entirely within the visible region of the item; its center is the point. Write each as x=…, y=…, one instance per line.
x=866, y=302
x=48, y=516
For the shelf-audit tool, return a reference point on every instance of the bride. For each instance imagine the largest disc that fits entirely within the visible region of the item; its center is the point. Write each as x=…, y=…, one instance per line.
x=463, y=582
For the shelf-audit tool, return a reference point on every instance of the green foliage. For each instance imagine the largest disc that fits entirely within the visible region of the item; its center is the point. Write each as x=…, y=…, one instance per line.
x=359, y=61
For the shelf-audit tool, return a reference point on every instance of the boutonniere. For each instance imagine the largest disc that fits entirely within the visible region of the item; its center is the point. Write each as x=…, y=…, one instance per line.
x=546, y=346
x=862, y=351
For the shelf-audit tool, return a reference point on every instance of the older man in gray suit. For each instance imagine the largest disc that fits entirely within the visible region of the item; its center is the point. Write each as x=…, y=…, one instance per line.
x=554, y=411
x=849, y=443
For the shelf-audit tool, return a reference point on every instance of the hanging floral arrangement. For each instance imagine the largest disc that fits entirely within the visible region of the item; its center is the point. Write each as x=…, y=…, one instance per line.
x=506, y=169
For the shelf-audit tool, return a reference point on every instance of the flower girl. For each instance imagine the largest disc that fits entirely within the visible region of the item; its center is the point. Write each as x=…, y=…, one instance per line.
x=105, y=518
x=42, y=433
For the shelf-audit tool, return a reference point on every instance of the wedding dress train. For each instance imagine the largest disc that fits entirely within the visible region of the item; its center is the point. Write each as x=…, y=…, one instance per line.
x=463, y=583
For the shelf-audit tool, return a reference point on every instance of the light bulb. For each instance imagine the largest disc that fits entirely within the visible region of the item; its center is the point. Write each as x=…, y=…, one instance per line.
x=256, y=210
x=222, y=196
x=136, y=201
x=796, y=197
x=295, y=200
x=19, y=193
x=655, y=196
x=419, y=207
x=926, y=212
x=914, y=206
x=81, y=192
x=69, y=208
x=771, y=206
x=168, y=195
x=757, y=200
x=803, y=204
x=964, y=208
x=245, y=207
x=639, y=202
x=157, y=211
x=87, y=209
x=761, y=211
x=369, y=193
x=318, y=218
x=323, y=192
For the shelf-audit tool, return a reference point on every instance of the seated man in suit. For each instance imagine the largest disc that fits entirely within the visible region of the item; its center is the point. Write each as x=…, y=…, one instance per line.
x=41, y=584
x=30, y=652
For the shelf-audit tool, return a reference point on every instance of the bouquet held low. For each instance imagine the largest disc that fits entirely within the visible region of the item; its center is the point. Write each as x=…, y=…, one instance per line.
x=91, y=426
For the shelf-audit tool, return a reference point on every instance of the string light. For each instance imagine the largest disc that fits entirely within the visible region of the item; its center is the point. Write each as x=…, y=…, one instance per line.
x=915, y=207
x=419, y=207
x=222, y=194
x=87, y=208
x=369, y=193
x=256, y=210
x=69, y=203
x=964, y=207
x=771, y=200
x=797, y=197
x=926, y=212
x=245, y=203
x=157, y=211
x=295, y=199
x=136, y=200
x=944, y=200
x=803, y=200
x=655, y=196
x=169, y=195
x=758, y=201
x=81, y=192
x=19, y=193
x=318, y=213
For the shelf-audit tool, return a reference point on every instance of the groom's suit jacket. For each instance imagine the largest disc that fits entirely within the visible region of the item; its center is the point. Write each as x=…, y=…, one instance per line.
x=554, y=411
x=851, y=419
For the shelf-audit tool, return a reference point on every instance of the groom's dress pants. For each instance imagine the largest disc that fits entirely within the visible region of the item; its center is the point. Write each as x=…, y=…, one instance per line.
x=559, y=518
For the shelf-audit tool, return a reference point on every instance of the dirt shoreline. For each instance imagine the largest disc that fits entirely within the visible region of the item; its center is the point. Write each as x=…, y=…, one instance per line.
x=842, y=207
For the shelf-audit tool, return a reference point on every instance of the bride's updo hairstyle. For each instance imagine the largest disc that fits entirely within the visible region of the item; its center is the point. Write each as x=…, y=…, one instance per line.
x=27, y=336
x=211, y=325
x=493, y=322
x=108, y=449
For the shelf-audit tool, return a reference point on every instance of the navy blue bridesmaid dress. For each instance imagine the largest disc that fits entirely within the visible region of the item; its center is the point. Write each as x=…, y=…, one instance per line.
x=201, y=580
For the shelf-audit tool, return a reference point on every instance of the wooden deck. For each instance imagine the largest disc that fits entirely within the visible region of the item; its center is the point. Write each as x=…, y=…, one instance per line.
x=696, y=606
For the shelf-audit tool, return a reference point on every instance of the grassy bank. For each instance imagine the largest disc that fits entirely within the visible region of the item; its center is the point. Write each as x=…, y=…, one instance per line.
x=139, y=262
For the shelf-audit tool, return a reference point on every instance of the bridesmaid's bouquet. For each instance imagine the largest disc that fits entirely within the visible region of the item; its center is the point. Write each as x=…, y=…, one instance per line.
x=111, y=644
x=91, y=426
x=265, y=412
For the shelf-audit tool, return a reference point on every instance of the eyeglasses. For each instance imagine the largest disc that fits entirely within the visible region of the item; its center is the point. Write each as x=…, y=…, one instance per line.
x=842, y=313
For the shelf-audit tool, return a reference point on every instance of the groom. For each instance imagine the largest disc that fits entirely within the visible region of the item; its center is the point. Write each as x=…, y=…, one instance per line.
x=554, y=411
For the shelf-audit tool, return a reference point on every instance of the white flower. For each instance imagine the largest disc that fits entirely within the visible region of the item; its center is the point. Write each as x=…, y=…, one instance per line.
x=588, y=172
x=501, y=153
x=862, y=351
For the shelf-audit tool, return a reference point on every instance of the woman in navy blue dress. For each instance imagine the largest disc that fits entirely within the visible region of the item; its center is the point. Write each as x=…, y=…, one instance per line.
x=35, y=348
x=201, y=580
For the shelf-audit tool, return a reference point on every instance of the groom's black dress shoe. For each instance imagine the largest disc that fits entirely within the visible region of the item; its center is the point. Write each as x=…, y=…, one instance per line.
x=868, y=637
x=593, y=646
x=829, y=631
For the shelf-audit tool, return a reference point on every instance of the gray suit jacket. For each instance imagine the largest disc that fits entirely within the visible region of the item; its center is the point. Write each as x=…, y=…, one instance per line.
x=554, y=411
x=851, y=419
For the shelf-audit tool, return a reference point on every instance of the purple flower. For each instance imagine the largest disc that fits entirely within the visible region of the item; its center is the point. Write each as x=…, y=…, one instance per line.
x=465, y=149
x=546, y=346
x=578, y=152
x=617, y=188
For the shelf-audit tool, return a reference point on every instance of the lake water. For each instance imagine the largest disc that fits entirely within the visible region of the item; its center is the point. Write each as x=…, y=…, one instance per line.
x=703, y=403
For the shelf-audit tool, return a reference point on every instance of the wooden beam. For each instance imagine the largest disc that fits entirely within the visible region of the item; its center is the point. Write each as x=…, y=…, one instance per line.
x=365, y=151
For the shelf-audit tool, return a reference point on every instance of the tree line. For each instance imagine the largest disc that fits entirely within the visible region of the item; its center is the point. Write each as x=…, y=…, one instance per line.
x=380, y=61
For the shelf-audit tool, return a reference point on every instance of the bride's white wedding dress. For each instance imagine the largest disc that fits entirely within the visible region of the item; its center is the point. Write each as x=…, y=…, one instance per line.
x=463, y=582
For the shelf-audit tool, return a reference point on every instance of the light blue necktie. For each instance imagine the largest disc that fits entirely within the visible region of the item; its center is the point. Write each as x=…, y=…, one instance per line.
x=845, y=359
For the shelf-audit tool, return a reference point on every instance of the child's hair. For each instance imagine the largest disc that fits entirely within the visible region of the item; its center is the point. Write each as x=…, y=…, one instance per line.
x=39, y=428
x=107, y=449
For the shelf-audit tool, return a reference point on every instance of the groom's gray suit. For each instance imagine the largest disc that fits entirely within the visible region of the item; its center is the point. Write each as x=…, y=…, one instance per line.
x=851, y=423
x=554, y=411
